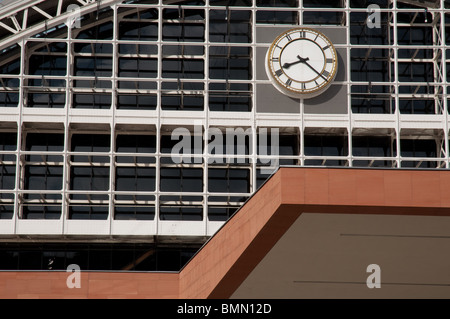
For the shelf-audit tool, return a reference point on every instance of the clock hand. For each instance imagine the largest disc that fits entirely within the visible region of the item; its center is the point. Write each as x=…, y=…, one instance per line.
x=288, y=65
x=315, y=70
x=301, y=60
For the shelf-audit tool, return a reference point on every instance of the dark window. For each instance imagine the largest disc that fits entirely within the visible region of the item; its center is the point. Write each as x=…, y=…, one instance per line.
x=6, y=211
x=96, y=212
x=233, y=63
x=8, y=142
x=231, y=97
x=12, y=67
x=7, y=176
x=321, y=145
x=227, y=26
x=92, y=101
x=191, y=213
x=370, y=65
x=44, y=142
x=324, y=145
x=287, y=145
x=277, y=3
x=417, y=106
x=228, y=180
x=47, y=64
x=276, y=17
x=9, y=99
x=184, y=32
x=46, y=100
x=323, y=17
x=418, y=148
x=370, y=146
x=181, y=179
x=415, y=72
x=220, y=213
x=135, y=212
x=138, y=30
x=90, y=143
x=231, y=3
x=135, y=179
x=93, y=48
x=99, y=32
x=117, y=256
x=43, y=177
x=89, y=178
x=138, y=67
x=93, y=66
x=186, y=102
x=133, y=102
x=183, y=68
x=323, y=3
x=414, y=35
x=373, y=99
x=41, y=212
x=361, y=34
x=168, y=143
x=135, y=144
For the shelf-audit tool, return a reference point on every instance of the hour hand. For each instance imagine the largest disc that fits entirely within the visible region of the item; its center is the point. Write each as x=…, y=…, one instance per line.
x=300, y=60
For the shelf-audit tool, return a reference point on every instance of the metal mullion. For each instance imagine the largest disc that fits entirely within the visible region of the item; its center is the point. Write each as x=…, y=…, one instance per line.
x=114, y=74
x=444, y=87
x=302, y=104
x=396, y=83
x=158, y=116
x=23, y=68
x=206, y=117
x=253, y=83
x=69, y=95
x=349, y=91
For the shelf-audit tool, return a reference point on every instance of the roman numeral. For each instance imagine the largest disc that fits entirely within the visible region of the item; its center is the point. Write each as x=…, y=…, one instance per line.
x=317, y=35
x=330, y=60
x=279, y=72
x=289, y=82
x=317, y=84
x=275, y=59
x=326, y=73
x=303, y=86
x=289, y=37
x=302, y=34
x=325, y=48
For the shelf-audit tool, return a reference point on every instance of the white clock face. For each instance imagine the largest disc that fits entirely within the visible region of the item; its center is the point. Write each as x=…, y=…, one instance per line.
x=301, y=63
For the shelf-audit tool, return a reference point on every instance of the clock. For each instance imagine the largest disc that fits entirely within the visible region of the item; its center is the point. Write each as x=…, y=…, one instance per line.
x=301, y=63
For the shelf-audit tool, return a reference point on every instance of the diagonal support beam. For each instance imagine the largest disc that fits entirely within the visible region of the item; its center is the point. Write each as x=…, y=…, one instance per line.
x=45, y=14
x=8, y=28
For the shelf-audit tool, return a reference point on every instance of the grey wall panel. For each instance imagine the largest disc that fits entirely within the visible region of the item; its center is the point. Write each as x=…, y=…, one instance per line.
x=270, y=100
x=332, y=101
x=266, y=34
x=260, y=56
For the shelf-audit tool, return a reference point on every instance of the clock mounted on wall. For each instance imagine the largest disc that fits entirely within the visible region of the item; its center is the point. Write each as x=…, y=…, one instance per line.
x=301, y=63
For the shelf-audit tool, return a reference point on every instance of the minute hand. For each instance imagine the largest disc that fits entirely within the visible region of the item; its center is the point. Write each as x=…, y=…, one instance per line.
x=320, y=74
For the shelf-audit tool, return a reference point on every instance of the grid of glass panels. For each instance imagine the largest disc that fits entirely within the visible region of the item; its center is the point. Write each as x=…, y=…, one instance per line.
x=195, y=60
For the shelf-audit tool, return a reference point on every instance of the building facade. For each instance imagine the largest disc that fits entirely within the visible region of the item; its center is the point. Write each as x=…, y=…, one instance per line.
x=130, y=131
